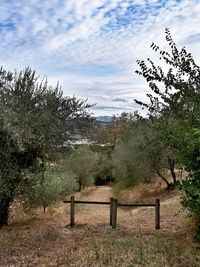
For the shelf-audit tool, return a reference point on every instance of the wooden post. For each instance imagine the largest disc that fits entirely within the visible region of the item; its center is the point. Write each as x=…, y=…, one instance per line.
x=111, y=210
x=157, y=214
x=72, y=211
x=114, y=213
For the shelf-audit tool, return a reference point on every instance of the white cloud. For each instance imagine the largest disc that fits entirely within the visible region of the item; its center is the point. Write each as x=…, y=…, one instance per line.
x=53, y=35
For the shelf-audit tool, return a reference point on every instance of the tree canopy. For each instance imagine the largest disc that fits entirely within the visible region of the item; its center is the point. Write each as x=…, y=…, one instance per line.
x=174, y=110
x=35, y=121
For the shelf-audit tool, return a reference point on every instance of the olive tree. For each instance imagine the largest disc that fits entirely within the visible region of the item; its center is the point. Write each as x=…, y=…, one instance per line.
x=35, y=121
x=83, y=163
x=48, y=187
x=139, y=156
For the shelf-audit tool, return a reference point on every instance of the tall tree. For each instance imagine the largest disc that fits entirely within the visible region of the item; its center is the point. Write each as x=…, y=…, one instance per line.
x=35, y=121
x=175, y=99
x=175, y=106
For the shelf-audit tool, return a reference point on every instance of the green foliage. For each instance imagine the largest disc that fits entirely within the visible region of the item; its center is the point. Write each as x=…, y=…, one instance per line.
x=103, y=172
x=35, y=121
x=175, y=93
x=83, y=163
x=175, y=106
x=133, y=160
x=191, y=185
x=115, y=128
x=141, y=153
x=48, y=187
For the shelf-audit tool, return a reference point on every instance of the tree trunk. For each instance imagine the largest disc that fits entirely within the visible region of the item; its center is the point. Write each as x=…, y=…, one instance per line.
x=44, y=208
x=4, y=210
x=171, y=166
x=169, y=185
x=6, y=197
x=79, y=186
x=197, y=235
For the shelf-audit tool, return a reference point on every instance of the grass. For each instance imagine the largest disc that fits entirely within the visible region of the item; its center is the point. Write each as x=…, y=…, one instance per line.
x=144, y=192
x=117, y=249
x=47, y=244
x=75, y=226
x=48, y=241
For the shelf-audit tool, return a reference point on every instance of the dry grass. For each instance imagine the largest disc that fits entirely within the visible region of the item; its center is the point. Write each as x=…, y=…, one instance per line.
x=86, y=245
x=46, y=240
x=146, y=192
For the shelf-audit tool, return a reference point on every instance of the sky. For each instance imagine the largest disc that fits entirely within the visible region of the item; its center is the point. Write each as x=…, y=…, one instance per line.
x=91, y=46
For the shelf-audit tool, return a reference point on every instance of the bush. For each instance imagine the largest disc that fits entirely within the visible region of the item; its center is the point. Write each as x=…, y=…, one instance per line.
x=191, y=185
x=48, y=187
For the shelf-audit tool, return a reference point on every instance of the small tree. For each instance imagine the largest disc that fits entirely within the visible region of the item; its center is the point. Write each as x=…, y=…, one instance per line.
x=83, y=163
x=47, y=187
x=138, y=156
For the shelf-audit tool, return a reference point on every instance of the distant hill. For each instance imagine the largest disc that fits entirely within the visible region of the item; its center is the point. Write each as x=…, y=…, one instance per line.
x=103, y=120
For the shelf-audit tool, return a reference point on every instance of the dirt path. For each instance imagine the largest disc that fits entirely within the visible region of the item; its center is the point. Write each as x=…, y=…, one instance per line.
x=131, y=219
x=93, y=214
x=98, y=193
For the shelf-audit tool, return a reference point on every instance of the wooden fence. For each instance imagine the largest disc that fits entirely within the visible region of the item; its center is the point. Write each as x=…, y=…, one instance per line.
x=113, y=209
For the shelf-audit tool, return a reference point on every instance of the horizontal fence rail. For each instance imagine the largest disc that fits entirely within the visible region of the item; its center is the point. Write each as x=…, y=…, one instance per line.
x=113, y=209
x=135, y=205
x=88, y=202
